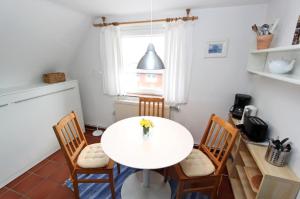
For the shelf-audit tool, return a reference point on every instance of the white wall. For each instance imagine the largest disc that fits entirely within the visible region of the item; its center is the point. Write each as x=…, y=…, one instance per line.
x=36, y=36
x=278, y=102
x=214, y=81
x=97, y=107
x=288, y=11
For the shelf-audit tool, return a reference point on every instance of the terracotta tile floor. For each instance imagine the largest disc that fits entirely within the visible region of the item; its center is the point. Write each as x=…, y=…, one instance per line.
x=46, y=180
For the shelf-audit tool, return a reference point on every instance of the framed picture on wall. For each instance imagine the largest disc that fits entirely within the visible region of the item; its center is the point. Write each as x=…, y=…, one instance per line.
x=296, y=39
x=216, y=49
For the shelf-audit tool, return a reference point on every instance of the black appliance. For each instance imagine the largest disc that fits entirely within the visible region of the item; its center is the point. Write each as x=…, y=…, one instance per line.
x=240, y=101
x=255, y=129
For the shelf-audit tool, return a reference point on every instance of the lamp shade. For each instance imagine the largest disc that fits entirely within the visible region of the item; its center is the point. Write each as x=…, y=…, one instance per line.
x=150, y=61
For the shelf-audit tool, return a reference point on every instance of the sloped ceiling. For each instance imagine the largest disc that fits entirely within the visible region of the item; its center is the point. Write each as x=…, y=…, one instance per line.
x=37, y=36
x=121, y=7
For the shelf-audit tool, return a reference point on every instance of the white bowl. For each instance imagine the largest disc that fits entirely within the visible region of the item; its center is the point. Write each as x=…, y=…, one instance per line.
x=281, y=66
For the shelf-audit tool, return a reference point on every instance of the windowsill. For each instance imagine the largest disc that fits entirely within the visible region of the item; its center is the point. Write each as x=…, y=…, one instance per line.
x=145, y=92
x=143, y=95
x=133, y=98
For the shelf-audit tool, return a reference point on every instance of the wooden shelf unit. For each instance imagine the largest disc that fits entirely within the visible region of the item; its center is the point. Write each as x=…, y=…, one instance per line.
x=249, y=161
x=238, y=191
x=245, y=183
x=250, y=173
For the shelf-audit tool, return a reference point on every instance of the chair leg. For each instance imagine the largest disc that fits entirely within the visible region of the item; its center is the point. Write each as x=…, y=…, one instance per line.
x=112, y=185
x=179, y=190
x=75, y=186
x=213, y=194
x=119, y=168
x=166, y=174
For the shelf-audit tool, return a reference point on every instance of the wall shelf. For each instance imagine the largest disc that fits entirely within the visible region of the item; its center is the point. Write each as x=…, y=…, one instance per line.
x=293, y=79
x=278, y=49
x=258, y=62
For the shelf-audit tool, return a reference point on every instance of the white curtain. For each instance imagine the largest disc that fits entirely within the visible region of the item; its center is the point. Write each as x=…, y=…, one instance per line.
x=178, y=61
x=111, y=60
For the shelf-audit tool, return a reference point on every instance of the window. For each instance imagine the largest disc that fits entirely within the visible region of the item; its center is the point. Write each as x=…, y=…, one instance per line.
x=134, y=47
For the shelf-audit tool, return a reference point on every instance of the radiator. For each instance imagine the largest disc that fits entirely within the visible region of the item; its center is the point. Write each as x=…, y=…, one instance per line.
x=27, y=116
x=125, y=108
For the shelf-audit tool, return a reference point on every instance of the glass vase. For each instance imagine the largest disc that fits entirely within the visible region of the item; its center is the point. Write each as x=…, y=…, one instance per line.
x=146, y=132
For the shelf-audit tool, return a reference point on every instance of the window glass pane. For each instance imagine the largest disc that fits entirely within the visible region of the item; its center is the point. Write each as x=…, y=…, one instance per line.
x=133, y=48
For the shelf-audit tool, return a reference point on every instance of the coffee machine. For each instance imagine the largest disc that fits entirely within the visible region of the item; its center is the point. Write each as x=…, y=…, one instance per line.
x=240, y=101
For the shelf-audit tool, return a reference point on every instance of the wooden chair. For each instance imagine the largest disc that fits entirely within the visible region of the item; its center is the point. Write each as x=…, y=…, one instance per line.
x=81, y=157
x=202, y=170
x=151, y=106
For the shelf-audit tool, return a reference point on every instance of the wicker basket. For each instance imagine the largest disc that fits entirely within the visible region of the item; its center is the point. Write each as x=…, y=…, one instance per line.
x=264, y=41
x=51, y=78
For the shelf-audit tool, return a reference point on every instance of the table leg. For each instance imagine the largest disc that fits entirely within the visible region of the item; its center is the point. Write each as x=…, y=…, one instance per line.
x=146, y=178
x=145, y=184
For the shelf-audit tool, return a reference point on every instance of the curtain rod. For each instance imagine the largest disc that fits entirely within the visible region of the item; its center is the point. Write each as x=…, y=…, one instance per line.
x=186, y=18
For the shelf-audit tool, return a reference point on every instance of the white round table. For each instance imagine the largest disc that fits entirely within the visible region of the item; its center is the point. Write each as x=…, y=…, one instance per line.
x=168, y=144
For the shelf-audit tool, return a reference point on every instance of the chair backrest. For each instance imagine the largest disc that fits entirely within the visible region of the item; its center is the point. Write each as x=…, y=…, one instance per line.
x=217, y=141
x=151, y=106
x=70, y=138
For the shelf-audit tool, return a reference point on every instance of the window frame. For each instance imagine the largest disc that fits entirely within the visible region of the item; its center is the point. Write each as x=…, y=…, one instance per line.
x=143, y=30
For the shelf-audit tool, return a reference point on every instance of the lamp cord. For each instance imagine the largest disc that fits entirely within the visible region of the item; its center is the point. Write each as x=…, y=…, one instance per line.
x=151, y=19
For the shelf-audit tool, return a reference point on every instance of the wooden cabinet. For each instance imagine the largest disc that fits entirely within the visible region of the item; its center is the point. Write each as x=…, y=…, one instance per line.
x=251, y=176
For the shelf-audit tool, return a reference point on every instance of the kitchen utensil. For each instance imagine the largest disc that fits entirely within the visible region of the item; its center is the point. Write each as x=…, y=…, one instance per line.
x=265, y=29
x=281, y=66
x=279, y=145
x=283, y=141
x=276, y=143
x=255, y=29
x=259, y=30
x=288, y=148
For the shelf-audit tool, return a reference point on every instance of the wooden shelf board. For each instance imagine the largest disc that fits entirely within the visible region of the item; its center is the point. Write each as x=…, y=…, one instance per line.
x=251, y=172
x=237, y=188
x=278, y=49
x=234, y=151
x=247, y=159
x=293, y=79
x=258, y=154
x=245, y=184
x=229, y=166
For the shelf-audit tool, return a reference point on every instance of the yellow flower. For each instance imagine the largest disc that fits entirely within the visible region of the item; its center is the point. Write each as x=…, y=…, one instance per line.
x=146, y=123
